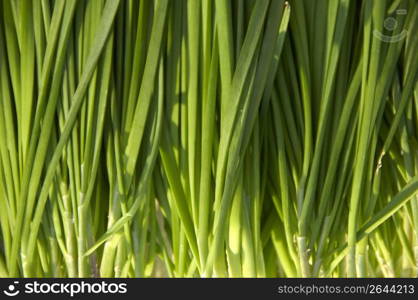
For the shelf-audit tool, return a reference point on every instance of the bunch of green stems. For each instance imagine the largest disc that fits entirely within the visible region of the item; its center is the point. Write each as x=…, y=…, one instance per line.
x=208, y=138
